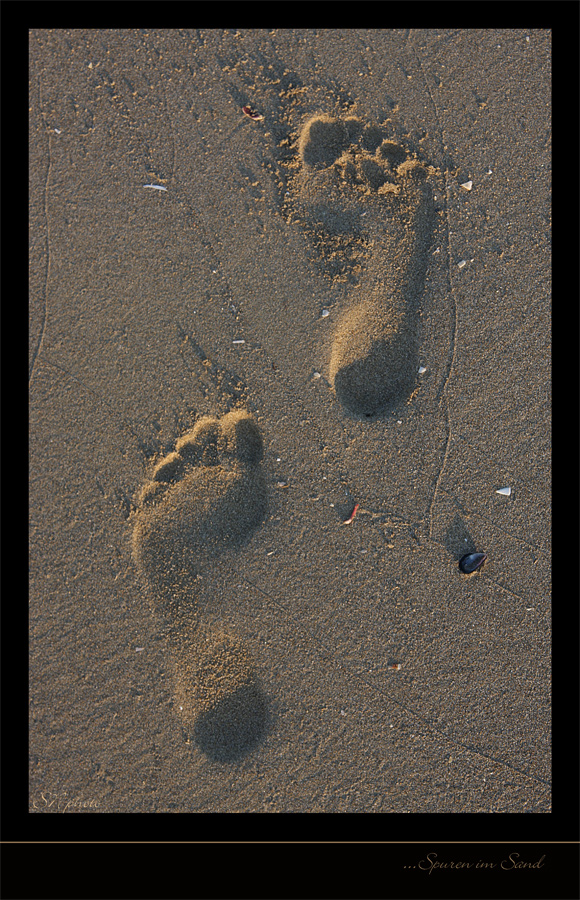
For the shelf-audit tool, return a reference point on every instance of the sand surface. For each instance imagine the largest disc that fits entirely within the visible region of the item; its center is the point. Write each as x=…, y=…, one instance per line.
x=207, y=635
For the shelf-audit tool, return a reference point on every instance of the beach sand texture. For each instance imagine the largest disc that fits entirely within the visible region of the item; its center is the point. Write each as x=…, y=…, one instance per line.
x=243, y=329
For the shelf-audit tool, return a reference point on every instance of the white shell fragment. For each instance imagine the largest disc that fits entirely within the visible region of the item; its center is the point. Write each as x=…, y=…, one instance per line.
x=155, y=187
x=422, y=370
x=505, y=492
x=325, y=313
x=462, y=263
x=238, y=342
x=467, y=185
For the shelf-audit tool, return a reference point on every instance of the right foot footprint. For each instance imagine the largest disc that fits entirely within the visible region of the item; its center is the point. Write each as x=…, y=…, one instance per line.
x=207, y=496
x=349, y=171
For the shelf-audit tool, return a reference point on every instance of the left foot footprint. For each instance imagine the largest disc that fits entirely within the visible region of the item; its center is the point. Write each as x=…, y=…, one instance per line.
x=207, y=496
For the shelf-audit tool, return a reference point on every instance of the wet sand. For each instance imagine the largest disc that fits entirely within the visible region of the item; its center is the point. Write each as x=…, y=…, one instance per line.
x=363, y=275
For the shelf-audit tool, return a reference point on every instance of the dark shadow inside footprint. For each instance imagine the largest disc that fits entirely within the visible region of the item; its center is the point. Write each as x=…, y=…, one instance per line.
x=211, y=510
x=235, y=726
x=208, y=496
x=374, y=173
x=393, y=153
x=376, y=383
x=323, y=141
x=372, y=137
x=335, y=219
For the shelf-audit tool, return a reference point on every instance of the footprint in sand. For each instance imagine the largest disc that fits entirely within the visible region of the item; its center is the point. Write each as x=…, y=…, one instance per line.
x=356, y=181
x=204, y=498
